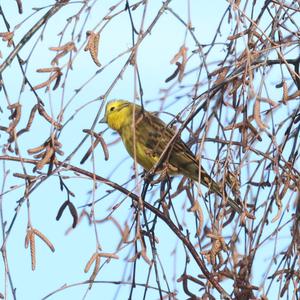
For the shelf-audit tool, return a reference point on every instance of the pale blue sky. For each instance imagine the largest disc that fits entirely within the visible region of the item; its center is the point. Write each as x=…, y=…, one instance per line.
x=66, y=265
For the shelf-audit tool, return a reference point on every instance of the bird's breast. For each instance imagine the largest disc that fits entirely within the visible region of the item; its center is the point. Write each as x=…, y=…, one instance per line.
x=141, y=152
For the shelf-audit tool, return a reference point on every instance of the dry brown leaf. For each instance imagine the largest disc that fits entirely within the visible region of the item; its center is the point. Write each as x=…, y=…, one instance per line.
x=7, y=37
x=257, y=117
x=93, y=46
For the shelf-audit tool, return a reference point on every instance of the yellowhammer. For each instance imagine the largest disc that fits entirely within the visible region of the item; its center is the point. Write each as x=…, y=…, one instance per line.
x=151, y=137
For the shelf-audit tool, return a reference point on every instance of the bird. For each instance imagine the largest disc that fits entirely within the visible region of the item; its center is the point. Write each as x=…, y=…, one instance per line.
x=152, y=138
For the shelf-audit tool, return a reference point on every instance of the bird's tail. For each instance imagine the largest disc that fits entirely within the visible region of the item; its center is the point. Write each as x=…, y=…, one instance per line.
x=215, y=187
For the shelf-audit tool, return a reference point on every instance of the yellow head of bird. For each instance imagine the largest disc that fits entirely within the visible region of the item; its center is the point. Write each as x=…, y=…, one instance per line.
x=118, y=113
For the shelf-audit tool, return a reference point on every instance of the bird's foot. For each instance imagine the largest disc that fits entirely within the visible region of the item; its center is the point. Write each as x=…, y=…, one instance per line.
x=163, y=174
x=148, y=176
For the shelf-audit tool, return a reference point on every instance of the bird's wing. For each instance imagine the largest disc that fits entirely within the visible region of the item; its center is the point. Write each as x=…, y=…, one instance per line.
x=156, y=136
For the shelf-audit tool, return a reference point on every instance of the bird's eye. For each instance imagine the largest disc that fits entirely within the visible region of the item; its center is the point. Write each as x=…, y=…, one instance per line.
x=112, y=108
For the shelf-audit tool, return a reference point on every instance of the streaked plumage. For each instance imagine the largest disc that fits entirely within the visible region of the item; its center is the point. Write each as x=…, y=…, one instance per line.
x=152, y=136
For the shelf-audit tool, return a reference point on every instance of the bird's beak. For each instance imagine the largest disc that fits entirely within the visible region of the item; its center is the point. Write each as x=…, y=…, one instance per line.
x=103, y=120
